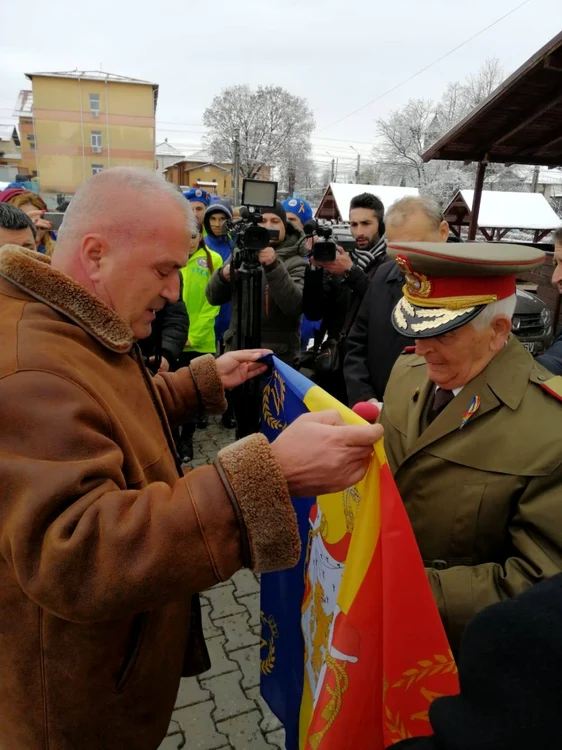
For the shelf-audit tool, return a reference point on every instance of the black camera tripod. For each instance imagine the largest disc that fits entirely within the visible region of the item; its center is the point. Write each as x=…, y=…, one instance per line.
x=249, y=294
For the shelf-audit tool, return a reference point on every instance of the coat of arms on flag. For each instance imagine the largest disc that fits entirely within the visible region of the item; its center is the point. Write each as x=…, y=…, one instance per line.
x=352, y=647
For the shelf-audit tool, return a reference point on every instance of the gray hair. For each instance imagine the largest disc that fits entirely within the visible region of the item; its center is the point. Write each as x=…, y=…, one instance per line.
x=89, y=200
x=403, y=208
x=503, y=308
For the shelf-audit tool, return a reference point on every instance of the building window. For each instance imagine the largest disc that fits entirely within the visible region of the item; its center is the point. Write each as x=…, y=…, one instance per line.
x=94, y=104
x=97, y=168
x=31, y=141
x=95, y=138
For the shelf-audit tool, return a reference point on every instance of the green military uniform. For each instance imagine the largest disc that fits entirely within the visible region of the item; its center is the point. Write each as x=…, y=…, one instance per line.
x=484, y=499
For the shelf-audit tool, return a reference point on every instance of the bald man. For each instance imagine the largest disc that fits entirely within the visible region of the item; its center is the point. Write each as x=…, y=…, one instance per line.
x=104, y=544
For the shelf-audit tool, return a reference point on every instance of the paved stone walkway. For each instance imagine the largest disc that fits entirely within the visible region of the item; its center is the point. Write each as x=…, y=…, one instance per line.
x=222, y=709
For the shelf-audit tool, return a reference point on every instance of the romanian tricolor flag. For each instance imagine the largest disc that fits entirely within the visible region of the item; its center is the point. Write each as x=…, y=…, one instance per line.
x=352, y=646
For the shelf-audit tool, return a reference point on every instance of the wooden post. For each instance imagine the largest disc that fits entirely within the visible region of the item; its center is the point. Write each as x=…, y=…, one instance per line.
x=473, y=228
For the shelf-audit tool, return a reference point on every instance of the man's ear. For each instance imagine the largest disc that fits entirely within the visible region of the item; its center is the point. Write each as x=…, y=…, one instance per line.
x=93, y=248
x=444, y=230
x=501, y=327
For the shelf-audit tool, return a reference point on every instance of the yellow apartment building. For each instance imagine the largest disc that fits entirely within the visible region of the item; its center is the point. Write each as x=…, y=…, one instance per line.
x=84, y=122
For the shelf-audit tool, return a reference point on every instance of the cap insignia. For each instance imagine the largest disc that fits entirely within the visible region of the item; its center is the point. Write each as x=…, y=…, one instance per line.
x=417, y=284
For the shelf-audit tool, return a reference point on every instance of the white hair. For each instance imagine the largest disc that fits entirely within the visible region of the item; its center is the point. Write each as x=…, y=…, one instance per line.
x=96, y=196
x=401, y=210
x=503, y=308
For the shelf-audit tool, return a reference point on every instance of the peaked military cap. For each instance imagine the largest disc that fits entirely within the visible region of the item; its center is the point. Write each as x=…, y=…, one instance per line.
x=448, y=284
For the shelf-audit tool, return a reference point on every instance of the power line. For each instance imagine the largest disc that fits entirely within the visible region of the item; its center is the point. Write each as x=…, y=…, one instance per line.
x=427, y=67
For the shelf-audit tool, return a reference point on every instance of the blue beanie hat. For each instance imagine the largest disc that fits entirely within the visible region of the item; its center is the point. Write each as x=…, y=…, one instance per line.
x=299, y=207
x=196, y=195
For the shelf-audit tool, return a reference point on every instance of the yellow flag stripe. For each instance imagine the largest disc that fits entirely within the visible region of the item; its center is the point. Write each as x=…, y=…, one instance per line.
x=367, y=522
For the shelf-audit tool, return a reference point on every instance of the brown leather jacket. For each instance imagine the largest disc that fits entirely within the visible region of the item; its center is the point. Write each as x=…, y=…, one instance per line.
x=103, y=544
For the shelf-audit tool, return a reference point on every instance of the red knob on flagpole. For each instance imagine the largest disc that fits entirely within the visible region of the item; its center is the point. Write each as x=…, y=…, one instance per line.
x=367, y=410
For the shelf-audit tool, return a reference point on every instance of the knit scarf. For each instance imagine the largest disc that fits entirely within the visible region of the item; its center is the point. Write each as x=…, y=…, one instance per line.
x=365, y=258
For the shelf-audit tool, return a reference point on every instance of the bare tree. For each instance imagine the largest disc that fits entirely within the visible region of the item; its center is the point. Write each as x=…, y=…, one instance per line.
x=404, y=136
x=479, y=86
x=408, y=132
x=268, y=121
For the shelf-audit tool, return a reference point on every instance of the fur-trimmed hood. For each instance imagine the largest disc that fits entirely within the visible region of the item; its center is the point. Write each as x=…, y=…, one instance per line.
x=32, y=273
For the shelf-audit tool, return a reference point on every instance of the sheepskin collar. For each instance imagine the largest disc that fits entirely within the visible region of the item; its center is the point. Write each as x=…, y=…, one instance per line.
x=32, y=273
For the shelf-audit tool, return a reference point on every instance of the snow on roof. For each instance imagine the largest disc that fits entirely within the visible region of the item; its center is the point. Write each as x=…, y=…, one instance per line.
x=343, y=193
x=90, y=75
x=7, y=132
x=547, y=177
x=513, y=210
x=166, y=149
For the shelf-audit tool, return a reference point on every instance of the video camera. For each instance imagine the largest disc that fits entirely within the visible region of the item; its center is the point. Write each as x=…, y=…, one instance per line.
x=257, y=195
x=323, y=249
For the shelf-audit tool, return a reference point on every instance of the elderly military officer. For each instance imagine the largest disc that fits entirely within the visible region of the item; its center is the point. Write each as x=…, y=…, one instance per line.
x=473, y=429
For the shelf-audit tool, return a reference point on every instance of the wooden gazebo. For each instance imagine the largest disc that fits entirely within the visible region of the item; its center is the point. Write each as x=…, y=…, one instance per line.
x=519, y=123
x=501, y=212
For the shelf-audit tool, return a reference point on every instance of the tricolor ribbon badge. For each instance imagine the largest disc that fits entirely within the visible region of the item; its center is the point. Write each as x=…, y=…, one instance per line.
x=471, y=411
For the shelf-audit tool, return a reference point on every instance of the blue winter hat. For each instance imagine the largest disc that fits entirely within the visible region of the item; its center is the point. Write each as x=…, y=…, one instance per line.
x=196, y=195
x=299, y=207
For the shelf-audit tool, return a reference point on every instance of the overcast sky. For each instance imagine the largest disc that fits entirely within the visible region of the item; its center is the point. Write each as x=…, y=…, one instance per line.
x=337, y=54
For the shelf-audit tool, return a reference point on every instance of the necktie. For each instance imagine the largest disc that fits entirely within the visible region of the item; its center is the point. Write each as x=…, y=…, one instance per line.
x=440, y=401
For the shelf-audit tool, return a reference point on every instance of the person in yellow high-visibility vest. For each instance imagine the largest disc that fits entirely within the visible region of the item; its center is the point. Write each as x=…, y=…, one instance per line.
x=200, y=266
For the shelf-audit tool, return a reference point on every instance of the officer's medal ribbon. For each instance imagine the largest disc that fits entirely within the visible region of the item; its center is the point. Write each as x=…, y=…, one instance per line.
x=471, y=411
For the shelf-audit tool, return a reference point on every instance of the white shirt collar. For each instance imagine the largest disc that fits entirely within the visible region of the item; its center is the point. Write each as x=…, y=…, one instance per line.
x=456, y=391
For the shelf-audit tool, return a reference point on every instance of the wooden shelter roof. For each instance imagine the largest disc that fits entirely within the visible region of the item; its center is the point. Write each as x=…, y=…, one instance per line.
x=519, y=123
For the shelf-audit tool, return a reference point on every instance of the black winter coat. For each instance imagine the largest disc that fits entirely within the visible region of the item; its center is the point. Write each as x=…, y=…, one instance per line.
x=169, y=332
x=373, y=344
x=510, y=671
x=328, y=298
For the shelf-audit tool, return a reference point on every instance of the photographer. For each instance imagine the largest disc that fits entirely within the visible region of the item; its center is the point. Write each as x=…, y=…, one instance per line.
x=333, y=290
x=282, y=284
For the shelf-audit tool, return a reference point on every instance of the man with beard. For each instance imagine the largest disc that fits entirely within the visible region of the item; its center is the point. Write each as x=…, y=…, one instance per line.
x=333, y=290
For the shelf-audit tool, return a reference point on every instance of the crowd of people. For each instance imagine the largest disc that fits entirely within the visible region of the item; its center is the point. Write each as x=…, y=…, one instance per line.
x=121, y=337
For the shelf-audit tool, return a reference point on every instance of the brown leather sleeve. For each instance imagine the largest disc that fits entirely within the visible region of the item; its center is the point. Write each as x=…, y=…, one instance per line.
x=260, y=489
x=80, y=542
x=182, y=391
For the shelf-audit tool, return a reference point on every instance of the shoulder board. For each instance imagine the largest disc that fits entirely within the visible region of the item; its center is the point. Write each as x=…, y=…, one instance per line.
x=410, y=350
x=553, y=386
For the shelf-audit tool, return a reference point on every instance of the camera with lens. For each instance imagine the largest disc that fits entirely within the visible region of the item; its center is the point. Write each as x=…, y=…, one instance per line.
x=257, y=196
x=324, y=249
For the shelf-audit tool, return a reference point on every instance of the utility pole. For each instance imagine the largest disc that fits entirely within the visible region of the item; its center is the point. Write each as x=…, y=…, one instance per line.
x=236, y=168
x=292, y=180
x=334, y=171
x=358, y=170
x=535, y=182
